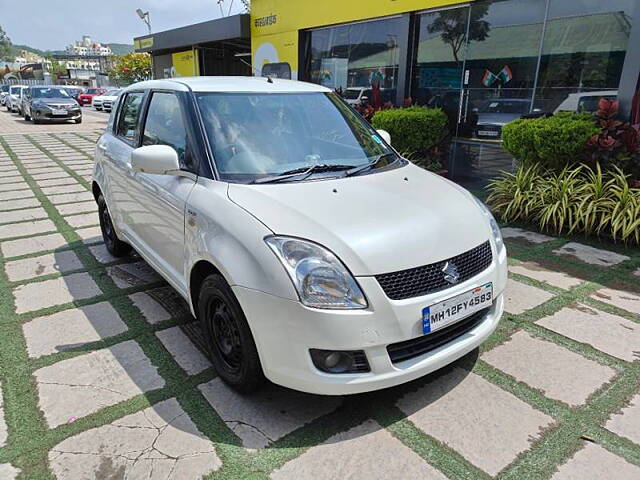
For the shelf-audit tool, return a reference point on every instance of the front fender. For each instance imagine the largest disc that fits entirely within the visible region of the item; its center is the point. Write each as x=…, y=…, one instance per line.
x=225, y=235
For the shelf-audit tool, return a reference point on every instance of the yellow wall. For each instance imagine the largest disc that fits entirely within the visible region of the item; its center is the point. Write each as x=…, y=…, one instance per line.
x=275, y=23
x=185, y=64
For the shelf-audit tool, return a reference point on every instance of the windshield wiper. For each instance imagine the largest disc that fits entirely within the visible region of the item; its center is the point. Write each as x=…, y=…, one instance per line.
x=303, y=173
x=371, y=165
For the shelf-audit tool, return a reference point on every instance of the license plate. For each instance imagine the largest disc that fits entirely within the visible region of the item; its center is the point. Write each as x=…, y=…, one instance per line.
x=454, y=309
x=487, y=133
x=58, y=112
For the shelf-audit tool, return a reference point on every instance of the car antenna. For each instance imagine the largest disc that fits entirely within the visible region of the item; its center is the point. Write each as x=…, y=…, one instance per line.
x=255, y=72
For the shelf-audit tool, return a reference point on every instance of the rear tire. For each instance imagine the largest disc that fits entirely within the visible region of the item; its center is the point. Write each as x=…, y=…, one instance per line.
x=27, y=118
x=232, y=349
x=115, y=246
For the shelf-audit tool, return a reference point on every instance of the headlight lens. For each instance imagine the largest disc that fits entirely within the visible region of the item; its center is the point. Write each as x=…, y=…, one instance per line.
x=495, y=229
x=322, y=281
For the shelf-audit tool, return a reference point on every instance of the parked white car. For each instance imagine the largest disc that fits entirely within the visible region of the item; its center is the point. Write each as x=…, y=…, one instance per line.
x=14, y=99
x=309, y=250
x=585, y=101
x=107, y=100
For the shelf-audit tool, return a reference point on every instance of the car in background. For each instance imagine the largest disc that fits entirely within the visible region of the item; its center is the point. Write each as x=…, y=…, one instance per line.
x=14, y=98
x=74, y=91
x=50, y=104
x=87, y=97
x=357, y=95
x=4, y=91
x=109, y=99
x=495, y=113
x=585, y=101
x=109, y=95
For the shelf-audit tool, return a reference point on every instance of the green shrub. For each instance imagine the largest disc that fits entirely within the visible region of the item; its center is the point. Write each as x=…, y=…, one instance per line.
x=554, y=142
x=413, y=130
x=573, y=200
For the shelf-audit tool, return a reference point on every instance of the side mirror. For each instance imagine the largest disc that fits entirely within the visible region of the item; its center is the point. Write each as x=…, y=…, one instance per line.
x=537, y=110
x=155, y=159
x=364, y=97
x=385, y=136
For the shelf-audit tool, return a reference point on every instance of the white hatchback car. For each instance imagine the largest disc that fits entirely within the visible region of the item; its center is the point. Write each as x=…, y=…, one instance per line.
x=309, y=250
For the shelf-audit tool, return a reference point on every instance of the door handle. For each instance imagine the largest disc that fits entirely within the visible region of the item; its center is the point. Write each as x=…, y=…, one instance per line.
x=191, y=217
x=102, y=147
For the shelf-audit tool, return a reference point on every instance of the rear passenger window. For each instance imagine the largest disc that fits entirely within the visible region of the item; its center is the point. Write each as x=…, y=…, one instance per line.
x=165, y=126
x=129, y=114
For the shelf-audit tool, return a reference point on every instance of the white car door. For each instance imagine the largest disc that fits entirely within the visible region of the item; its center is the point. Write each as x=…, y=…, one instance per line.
x=163, y=198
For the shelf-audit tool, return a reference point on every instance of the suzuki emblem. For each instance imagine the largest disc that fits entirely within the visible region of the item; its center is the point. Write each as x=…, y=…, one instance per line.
x=450, y=271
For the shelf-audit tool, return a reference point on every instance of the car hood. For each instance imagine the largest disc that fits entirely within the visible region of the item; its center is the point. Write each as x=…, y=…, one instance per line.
x=109, y=97
x=56, y=101
x=497, y=118
x=378, y=223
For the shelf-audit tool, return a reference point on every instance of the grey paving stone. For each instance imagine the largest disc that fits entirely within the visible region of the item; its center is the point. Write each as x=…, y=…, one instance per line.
x=24, y=246
x=6, y=205
x=151, y=309
x=521, y=297
x=595, y=463
x=8, y=472
x=133, y=274
x=57, y=181
x=482, y=422
x=268, y=414
x=83, y=219
x=10, y=187
x=10, y=179
x=70, y=197
x=49, y=176
x=558, y=372
x=90, y=382
x=3, y=425
x=31, y=267
x=71, y=328
x=609, y=333
x=627, y=422
x=15, y=195
x=555, y=278
x=590, y=255
x=24, y=229
x=90, y=235
x=48, y=293
x=101, y=254
x=80, y=207
x=183, y=351
x=158, y=443
x=359, y=453
x=23, y=215
x=625, y=299
x=60, y=189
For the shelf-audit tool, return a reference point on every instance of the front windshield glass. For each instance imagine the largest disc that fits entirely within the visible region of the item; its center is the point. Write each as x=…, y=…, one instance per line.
x=49, y=93
x=93, y=91
x=112, y=93
x=14, y=90
x=256, y=135
x=505, y=106
x=351, y=94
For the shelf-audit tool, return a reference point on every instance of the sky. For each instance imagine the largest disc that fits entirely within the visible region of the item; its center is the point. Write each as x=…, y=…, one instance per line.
x=54, y=24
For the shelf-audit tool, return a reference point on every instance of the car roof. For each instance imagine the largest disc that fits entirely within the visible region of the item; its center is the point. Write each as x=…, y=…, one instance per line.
x=595, y=94
x=231, y=85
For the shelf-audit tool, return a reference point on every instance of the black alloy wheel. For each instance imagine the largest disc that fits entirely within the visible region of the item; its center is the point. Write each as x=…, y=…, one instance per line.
x=230, y=343
x=115, y=246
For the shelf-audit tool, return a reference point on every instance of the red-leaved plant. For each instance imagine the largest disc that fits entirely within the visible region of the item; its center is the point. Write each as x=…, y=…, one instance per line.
x=618, y=143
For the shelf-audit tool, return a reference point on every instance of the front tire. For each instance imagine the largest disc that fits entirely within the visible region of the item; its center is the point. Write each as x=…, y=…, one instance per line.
x=78, y=120
x=115, y=246
x=232, y=349
x=27, y=117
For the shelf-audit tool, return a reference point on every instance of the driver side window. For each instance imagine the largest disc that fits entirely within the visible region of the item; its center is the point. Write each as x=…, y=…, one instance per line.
x=129, y=114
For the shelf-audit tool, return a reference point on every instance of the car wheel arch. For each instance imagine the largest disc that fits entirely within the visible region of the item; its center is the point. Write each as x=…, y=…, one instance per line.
x=198, y=273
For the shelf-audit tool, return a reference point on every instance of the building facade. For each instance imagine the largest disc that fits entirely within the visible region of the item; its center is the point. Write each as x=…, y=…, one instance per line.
x=87, y=46
x=483, y=62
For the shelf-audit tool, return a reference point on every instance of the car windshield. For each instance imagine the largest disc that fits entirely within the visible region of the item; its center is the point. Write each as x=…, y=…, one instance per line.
x=49, y=93
x=590, y=103
x=504, y=106
x=112, y=93
x=4, y=88
x=255, y=135
x=14, y=90
x=92, y=91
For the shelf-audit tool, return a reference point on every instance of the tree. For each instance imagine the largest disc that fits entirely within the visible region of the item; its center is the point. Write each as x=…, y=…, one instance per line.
x=452, y=25
x=131, y=68
x=5, y=46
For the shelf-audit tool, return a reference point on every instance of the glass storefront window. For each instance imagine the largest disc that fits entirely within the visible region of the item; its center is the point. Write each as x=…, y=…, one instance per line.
x=583, y=52
x=357, y=57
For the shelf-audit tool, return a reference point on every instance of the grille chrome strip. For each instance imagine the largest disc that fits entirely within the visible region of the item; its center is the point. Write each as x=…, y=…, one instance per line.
x=419, y=281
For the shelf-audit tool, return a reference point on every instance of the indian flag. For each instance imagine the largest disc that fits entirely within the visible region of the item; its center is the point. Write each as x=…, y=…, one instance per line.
x=506, y=75
x=488, y=78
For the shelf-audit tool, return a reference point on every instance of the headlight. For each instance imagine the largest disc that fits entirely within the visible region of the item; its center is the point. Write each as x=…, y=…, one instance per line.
x=322, y=281
x=495, y=229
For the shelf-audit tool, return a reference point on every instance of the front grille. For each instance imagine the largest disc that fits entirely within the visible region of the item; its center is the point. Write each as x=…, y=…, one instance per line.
x=399, y=352
x=419, y=281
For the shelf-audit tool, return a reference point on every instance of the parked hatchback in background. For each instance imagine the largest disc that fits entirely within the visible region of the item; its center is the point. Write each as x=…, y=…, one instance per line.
x=14, y=98
x=310, y=251
x=4, y=91
x=51, y=104
x=86, y=98
x=585, y=101
x=495, y=113
x=107, y=100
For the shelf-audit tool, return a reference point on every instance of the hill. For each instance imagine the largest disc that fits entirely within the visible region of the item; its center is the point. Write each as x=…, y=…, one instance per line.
x=117, y=48
x=120, y=48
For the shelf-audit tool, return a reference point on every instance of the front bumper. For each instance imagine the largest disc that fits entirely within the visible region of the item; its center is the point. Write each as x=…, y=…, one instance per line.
x=285, y=330
x=49, y=117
